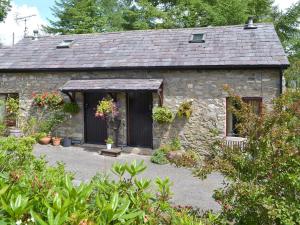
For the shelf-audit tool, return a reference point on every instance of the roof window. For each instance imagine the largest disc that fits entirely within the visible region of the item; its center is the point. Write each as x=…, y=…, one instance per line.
x=65, y=44
x=197, y=38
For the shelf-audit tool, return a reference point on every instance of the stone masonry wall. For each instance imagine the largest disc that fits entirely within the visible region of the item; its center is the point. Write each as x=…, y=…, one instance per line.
x=204, y=86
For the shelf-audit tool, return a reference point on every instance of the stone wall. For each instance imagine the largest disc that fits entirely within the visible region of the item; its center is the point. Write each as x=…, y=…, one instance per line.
x=204, y=86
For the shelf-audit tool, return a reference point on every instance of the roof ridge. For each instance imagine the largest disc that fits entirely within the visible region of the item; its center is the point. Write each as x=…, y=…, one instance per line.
x=154, y=30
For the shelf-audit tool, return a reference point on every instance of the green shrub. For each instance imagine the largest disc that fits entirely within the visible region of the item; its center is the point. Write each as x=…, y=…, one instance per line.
x=162, y=115
x=189, y=159
x=38, y=136
x=2, y=129
x=264, y=185
x=32, y=191
x=175, y=144
x=159, y=157
x=71, y=108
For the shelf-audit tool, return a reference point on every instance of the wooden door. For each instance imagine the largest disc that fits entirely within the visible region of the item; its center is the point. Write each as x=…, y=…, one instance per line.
x=95, y=128
x=139, y=119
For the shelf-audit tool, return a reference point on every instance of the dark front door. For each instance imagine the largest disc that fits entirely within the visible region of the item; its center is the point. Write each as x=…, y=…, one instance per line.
x=139, y=122
x=95, y=128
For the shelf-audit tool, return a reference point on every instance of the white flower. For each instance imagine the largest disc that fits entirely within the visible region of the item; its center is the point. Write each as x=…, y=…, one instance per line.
x=32, y=219
x=19, y=222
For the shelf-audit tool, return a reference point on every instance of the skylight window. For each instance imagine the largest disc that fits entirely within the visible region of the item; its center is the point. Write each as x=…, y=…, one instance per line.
x=197, y=38
x=65, y=44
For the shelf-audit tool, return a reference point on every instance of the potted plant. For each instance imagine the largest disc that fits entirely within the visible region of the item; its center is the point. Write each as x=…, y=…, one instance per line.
x=108, y=110
x=162, y=115
x=185, y=109
x=109, y=141
x=71, y=108
x=44, y=138
x=56, y=141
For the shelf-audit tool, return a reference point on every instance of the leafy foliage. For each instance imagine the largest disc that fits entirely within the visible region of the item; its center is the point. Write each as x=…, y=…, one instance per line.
x=292, y=75
x=78, y=16
x=47, y=100
x=33, y=193
x=12, y=109
x=162, y=115
x=287, y=26
x=185, y=109
x=189, y=159
x=4, y=8
x=71, y=107
x=109, y=140
x=159, y=157
x=107, y=109
x=263, y=177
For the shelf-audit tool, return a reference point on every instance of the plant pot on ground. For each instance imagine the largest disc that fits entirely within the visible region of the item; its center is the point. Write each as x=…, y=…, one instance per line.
x=45, y=139
x=56, y=141
x=109, y=141
x=67, y=142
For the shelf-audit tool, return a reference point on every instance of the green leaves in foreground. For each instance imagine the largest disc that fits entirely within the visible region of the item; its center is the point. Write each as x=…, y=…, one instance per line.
x=33, y=193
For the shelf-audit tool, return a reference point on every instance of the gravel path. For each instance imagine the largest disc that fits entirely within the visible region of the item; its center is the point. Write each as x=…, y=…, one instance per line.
x=187, y=189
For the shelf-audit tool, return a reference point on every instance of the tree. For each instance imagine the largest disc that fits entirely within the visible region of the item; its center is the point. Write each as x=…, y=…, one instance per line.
x=287, y=26
x=78, y=16
x=85, y=16
x=4, y=8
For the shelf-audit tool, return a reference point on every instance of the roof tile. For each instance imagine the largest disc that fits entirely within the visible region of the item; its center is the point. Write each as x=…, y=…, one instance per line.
x=224, y=46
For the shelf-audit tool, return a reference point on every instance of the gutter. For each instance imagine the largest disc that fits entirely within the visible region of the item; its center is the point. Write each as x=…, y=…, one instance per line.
x=208, y=67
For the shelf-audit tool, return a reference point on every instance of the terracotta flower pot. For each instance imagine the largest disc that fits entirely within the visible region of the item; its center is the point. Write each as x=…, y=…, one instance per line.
x=56, y=141
x=45, y=140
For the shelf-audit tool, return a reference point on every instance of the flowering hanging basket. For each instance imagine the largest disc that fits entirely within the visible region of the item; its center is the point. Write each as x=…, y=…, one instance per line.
x=47, y=100
x=107, y=109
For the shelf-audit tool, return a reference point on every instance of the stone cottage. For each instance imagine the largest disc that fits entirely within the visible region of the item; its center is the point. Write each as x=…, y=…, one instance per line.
x=143, y=69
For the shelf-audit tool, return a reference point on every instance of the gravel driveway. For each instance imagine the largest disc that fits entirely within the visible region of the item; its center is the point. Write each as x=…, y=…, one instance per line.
x=85, y=163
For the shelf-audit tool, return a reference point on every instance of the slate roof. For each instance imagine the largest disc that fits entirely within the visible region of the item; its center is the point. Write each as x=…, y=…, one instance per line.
x=3, y=50
x=115, y=84
x=227, y=46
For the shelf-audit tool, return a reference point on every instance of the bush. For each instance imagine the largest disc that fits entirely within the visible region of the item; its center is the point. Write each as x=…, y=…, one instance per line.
x=33, y=193
x=189, y=159
x=263, y=177
x=159, y=157
x=175, y=144
x=2, y=129
x=162, y=115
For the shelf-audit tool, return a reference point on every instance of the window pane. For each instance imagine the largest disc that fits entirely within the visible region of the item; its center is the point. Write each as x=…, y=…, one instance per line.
x=231, y=120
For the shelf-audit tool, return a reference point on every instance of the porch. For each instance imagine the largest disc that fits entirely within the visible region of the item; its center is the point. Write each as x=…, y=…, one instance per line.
x=134, y=99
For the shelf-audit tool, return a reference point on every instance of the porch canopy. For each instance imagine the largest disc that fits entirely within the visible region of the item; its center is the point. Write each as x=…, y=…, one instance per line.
x=112, y=84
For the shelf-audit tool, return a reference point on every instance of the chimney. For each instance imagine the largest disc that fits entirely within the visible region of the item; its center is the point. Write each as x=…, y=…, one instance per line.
x=35, y=35
x=250, y=23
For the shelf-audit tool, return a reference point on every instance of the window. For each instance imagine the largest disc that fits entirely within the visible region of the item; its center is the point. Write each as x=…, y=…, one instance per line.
x=197, y=38
x=231, y=120
x=65, y=44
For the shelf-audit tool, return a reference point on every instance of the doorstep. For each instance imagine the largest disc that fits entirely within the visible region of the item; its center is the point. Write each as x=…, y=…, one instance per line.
x=127, y=149
x=111, y=152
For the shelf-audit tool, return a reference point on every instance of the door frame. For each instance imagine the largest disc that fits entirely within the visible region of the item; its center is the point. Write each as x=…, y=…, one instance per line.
x=127, y=120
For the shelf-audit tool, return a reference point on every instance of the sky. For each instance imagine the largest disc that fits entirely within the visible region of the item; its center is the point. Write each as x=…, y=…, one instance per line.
x=42, y=12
